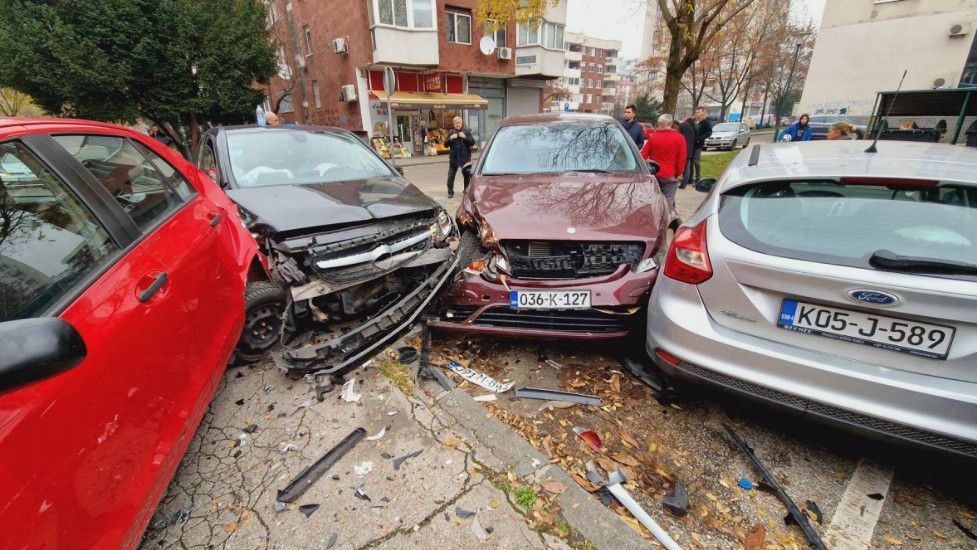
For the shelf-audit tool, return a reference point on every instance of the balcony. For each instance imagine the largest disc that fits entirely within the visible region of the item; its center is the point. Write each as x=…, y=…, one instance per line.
x=539, y=61
x=573, y=56
x=609, y=92
x=610, y=76
x=571, y=73
x=402, y=46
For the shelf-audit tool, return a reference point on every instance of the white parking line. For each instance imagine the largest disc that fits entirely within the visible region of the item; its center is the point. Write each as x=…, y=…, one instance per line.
x=855, y=518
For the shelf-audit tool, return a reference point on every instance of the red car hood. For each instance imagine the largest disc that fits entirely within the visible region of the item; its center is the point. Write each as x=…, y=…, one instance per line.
x=575, y=206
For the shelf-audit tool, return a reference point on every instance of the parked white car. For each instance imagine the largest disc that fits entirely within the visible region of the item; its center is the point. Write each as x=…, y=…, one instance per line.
x=729, y=135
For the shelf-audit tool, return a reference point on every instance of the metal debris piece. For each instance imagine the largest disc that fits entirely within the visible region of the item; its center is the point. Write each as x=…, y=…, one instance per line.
x=432, y=373
x=308, y=476
x=349, y=395
x=378, y=435
x=590, y=437
x=361, y=494
x=543, y=358
x=332, y=541
x=799, y=516
x=678, y=503
x=556, y=395
x=322, y=390
x=462, y=513
x=400, y=461
x=480, y=379
x=363, y=469
x=308, y=509
x=615, y=485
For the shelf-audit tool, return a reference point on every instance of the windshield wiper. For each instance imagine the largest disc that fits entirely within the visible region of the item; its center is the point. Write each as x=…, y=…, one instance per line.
x=592, y=171
x=890, y=261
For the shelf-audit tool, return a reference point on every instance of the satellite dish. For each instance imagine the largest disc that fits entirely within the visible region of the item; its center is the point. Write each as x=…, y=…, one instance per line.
x=487, y=45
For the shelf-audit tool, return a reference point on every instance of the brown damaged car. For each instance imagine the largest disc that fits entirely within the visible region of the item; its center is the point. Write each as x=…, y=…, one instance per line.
x=564, y=228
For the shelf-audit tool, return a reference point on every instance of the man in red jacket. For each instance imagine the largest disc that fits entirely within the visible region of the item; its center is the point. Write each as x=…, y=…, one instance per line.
x=667, y=147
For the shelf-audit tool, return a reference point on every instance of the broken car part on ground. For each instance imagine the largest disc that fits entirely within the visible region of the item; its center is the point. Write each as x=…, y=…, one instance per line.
x=354, y=250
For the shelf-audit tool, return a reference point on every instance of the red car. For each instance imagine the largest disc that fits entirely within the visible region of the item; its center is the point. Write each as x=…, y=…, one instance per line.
x=122, y=278
x=564, y=228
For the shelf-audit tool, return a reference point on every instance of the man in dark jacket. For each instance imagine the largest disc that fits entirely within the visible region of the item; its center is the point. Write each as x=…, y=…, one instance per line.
x=703, y=130
x=459, y=143
x=633, y=127
x=687, y=129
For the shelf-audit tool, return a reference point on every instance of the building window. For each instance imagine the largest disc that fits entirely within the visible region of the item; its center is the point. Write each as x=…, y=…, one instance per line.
x=271, y=13
x=458, y=26
x=308, y=40
x=499, y=34
x=553, y=34
x=410, y=14
x=527, y=34
x=315, y=94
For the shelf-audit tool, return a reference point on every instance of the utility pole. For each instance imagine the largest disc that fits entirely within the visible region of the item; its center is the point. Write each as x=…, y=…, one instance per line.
x=780, y=100
x=299, y=71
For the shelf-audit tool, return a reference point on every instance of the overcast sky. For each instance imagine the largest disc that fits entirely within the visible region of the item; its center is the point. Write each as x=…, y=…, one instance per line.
x=620, y=19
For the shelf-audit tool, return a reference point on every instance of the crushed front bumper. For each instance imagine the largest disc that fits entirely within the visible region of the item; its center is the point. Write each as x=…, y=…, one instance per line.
x=477, y=306
x=339, y=352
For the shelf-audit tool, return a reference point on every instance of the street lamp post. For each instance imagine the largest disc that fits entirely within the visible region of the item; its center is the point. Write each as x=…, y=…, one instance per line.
x=790, y=79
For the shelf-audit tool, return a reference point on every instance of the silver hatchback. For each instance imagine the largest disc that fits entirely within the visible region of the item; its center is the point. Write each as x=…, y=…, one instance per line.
x=840, y=283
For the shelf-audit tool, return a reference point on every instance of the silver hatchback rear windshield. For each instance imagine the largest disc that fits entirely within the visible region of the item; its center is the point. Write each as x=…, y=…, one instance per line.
x=917, y=226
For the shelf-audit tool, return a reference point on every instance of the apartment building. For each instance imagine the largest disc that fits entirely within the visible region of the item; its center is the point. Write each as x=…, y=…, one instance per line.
x=589, y=74
x=864, y=46
x=332, y=55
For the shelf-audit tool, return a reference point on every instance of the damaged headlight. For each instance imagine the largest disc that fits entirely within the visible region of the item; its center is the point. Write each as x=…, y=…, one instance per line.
x=442, y=227
x=246, y=217
x=645, y=265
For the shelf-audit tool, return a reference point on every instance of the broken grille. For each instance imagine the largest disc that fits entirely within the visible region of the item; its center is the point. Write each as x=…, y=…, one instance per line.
x=365, y=261
x=569, y=260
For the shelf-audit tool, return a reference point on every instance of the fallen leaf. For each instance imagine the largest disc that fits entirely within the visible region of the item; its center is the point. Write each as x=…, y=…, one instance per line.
x=553, y=486
x=547, y=443
x=892, y=540
x=586, y=484
x=628, y=440
x=968, y=515
x=626, y=459
x=494, y=504
x=615, y=383
x=451, y=441
x=230, y=527
x=607, y=464
x=652, y=447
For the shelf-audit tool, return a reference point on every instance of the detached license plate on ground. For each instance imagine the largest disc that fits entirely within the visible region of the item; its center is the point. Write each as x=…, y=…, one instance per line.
x=891, y=333
x=549, y=299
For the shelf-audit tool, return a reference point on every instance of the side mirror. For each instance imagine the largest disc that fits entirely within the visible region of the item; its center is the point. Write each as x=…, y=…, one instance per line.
x=34, y=349
x=705, y=185
x=653, y=167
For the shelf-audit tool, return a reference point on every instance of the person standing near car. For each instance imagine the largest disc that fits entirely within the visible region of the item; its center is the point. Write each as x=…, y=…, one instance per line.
x=459, y=143
x=632, y=126
x=841, y=130
x=668, y=148
x=703, y=129
x=798, y=131
x=687, y=129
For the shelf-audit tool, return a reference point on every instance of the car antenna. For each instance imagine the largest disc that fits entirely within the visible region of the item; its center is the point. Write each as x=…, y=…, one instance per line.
x=878, y=133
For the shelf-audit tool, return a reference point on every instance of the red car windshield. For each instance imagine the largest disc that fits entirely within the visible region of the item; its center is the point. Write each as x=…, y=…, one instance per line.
x=560, y=147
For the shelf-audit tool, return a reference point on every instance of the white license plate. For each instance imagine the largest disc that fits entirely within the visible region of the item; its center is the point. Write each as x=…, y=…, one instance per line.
x=891, y=333
x=549, y=299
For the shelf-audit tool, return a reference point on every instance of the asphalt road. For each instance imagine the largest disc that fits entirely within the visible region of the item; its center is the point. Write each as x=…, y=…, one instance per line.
x=915, y=496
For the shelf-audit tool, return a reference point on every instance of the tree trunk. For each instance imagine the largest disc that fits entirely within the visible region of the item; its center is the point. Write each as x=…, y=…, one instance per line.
x=746, y=97
x=674, y=71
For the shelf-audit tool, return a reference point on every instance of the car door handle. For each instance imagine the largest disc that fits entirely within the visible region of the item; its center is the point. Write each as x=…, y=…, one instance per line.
x=158, y=283
x=213, y=219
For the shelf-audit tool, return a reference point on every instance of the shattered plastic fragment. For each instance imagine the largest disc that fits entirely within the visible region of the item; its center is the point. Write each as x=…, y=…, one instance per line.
x=349, y=395
x=308, y=509
x=398, y=462
x=242, y=440
x=745, y=484
x=287, y=447
x=378, y=435
x=363, y=469
x=486, y=397
x=280, y=506
x=332, y=541
x=482, y=380
x=361, y=494
x=590, y=438
x=462, y=513
x=308, y=476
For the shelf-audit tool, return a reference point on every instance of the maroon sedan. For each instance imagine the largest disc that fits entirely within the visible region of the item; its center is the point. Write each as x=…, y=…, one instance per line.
x=564, y=228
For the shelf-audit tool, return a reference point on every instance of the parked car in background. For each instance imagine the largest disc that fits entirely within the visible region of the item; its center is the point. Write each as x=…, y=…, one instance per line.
x=835, y=282
x=729, y=136
x=820, y=124
x=355, y=251
x=122, y=277
x=563, y=224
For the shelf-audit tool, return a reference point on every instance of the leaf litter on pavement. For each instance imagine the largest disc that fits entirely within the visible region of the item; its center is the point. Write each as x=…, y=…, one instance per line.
x=630, y=425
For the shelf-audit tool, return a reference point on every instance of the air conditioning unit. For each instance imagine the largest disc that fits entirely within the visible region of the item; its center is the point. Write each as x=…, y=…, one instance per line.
x=300, y=61
x=339, y=45
x=960, y=29
x=505, y=53
x=348, y=94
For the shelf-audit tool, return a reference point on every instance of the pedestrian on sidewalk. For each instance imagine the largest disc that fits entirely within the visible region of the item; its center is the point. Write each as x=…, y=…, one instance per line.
x=459, y=142
x=687, y=129
x=703, y=129
x=668, y=148
x=798, y=131
x=632, y=126
x=842, y=130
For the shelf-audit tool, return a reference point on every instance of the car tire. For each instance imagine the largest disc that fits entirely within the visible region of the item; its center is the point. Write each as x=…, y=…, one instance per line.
x=264, y=320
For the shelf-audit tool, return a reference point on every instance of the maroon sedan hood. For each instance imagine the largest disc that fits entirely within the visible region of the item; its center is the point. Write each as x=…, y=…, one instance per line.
x=575, y=206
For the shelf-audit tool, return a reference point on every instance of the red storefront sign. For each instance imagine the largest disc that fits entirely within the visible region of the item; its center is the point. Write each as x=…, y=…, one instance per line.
x=432, y=82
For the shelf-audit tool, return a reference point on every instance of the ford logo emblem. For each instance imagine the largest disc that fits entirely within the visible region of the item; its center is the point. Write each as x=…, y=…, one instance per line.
x=874, y=297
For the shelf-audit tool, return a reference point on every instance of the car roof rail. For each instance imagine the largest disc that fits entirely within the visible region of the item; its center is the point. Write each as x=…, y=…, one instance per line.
x=754, y=155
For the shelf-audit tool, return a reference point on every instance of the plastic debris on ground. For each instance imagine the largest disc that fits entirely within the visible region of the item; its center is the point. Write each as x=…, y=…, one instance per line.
x=398, y=462
x=279, y=506
x=162, y=522
x=556, y=395
x=310, y=475
x=332, y=541
x=308, y=509
x=479, y=378
x=462, y=513
x=361, y=494
x=590, y=437
x=486, y=397
x=349, y=395
x=363, y=469
x=287, y=447
x=678, y=503
x=755, y=538
x=377, y=435
x=615, y=484
x=745, y=484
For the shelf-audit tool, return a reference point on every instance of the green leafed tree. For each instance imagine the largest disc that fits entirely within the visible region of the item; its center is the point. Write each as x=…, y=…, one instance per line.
x=182, y=64
x=647, y=108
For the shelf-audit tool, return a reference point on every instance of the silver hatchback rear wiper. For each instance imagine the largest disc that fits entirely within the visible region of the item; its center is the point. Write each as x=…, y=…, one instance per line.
x=890, y=261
